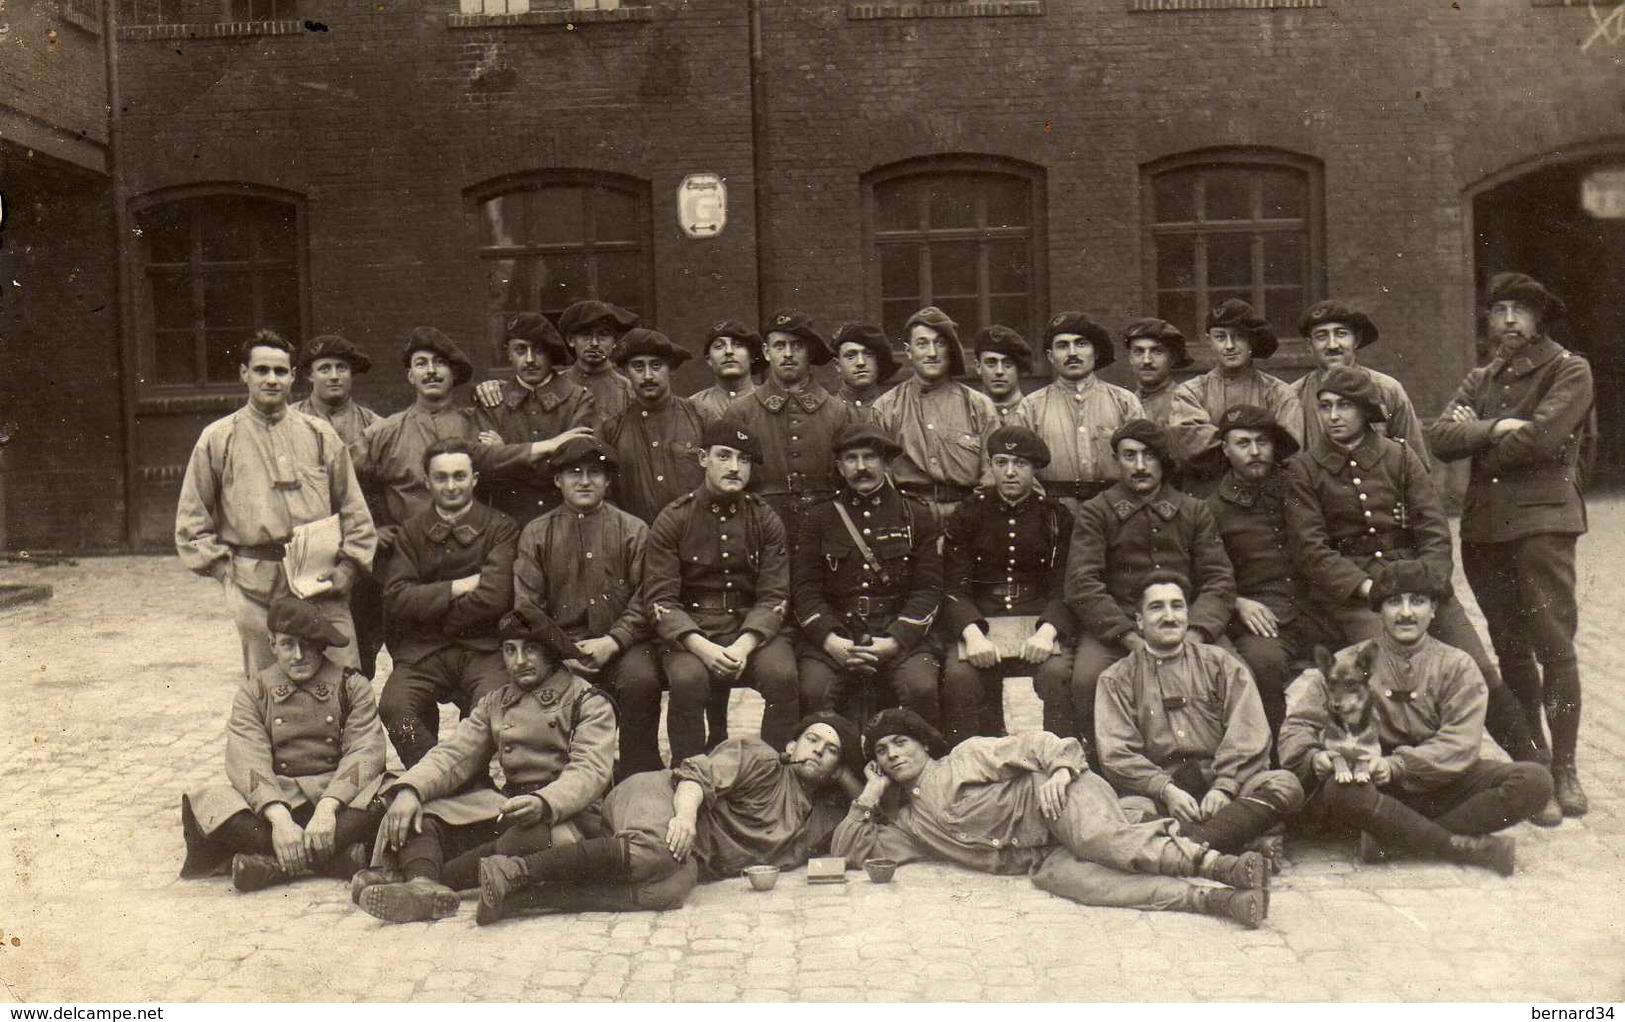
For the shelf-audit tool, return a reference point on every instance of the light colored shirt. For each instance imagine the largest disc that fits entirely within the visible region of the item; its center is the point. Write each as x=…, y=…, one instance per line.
x=1200, y=402
x=349, y=420
x=714, y=400
x=943, y=430
x=1158, y=402
x=1077, y=421
x=611, y=392
x=1401, y=424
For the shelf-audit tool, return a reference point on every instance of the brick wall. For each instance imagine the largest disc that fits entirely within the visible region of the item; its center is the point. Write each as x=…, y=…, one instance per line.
x=53, y=69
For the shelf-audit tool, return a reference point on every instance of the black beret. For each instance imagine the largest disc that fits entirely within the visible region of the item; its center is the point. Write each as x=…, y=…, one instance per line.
x=1356, y=385
x=1021, y=442
x=902, y=721
x=864, y=434
x=1004, y=341
x=583, y=316
x=1238, y=315
x=643, y=341
x=1079, y=323
x=578, y=449
x=944, y=325
x=1254, y=417
x=537, y=329
x=289, y=615
x=530, y=623
x=334, y=346
x=1520, y=287
x=1333, y=311
x=1394, y=577
x=730, y=433
x=1164, y=333
x=1151, y=433
x=744, y=335
x=427, y=338
x=845, y=730
x=871, y=337
x=799, y=324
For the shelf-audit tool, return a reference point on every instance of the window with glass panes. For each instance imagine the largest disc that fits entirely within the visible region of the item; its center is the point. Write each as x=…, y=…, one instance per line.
x=1233, y=230
x=547, y=244
x=216, y=268
x=964, y=241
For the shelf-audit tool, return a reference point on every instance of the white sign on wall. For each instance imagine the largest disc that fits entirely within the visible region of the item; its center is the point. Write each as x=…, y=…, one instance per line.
x=1602, y=193
x=702, y=205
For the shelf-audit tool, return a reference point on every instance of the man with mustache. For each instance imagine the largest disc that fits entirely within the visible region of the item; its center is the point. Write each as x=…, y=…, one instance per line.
x=580, y=566
x=593, y=329
x=1337, y=332
x=1076, y=414
x=793, y=419
x=330, y=364
x=1002, y=355
x=1357, y=500
x=864, y=360
x=657, y=440
x=717, y=585
x=1004, y=554
x=1140, y=525
x=1521, y=420
x=733, y=353
x=1182, y=732
x=1429, y=793
x=552, y=734
x=255, y=475
x=1240, y=338
x=305, y=758
x=866, y=581
x=1029, y=804
x=447, y=585
x=1274, y=628
x=1155, y=348
x=744, y=803
x=539, y=406
x=940, y=422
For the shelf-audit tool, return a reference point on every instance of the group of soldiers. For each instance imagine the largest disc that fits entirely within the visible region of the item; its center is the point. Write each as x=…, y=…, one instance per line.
x=577, y=540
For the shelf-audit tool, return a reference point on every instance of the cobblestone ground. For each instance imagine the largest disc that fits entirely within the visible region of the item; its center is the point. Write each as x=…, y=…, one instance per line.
x=115, y=694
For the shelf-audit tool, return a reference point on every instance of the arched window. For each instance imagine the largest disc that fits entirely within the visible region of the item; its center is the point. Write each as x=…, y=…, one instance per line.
x=962, y=233
x=216, y=266
x=1234, y=224
x=549, y=240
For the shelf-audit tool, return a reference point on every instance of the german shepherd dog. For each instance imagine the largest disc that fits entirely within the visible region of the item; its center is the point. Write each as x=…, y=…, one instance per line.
x=1351, y=733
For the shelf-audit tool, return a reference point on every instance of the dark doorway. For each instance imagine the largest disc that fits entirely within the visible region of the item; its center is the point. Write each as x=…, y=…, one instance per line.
x=1535, y=223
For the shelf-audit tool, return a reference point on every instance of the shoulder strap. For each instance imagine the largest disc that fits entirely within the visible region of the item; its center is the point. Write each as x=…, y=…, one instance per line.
x=863, y=547
x=1401, y=508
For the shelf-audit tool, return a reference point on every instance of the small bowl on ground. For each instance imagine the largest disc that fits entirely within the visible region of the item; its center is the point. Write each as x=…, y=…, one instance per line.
x=762, y=878
x=880, y=870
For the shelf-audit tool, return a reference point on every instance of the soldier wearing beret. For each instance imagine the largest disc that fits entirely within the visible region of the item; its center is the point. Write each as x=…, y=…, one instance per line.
x=743, y=803
x=580, y=566
x=1140, y=525
x=593, y=330
x=448, y=583
x=1155, y=348
x=717, y=586
x=1357, y=500
x=253, y=478
x=540, y=406
x=657, y=439
x=1077, y=413
x=1240, y=338
x=1337, y=332
x=940, y=422
x=793, y=419
x=733, y=353
x=1521, y=420
x=1429, y=792
x=1275, y=625
x=329, y=364
x=304, y=757
x=1004, y=554
x=1002, y=355
x=866, y=580
x=864, y=360
x=552, y=734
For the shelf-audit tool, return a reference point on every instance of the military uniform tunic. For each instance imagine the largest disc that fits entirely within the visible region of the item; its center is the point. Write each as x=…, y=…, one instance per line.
x=1400, y=423
x=659, y=451
x=525, y=416
x=796, y=432
x=394, y=460
x=1200, y=402
x=612, y=393
x=715, y=400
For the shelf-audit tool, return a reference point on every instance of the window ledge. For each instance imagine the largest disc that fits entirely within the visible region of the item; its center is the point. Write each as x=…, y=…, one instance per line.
x=207, y=31
x=1159, y=6
x=193, y=401
x=548, y=18
x=946, y=9
x=81, y=19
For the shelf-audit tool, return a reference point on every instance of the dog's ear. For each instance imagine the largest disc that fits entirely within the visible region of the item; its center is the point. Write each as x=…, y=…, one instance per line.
x=1323, y=660
x=1366, y=658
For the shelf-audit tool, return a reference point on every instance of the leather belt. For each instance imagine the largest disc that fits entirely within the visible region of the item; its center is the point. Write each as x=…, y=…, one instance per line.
x=1386, y=543
x=872, y=606
x=1009, y=592
x=724, y=601
x=273, y=551
x=937, y=493
x=1077, y=489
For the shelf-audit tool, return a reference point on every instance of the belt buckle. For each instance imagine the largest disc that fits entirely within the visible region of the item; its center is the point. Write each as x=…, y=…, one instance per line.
x=861, y=605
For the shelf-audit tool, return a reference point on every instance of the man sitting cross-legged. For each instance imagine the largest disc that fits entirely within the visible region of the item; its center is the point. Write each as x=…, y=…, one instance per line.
x=552, y=734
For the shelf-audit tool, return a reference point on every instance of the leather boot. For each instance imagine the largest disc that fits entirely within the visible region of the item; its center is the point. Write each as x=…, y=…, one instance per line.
x=366, y=878
x=346, y=862
x=1550, y=814
x=1566, y=791
x=1247, y=871
x=1249, y=908
x=1506, y=723
x=256, y=872
x=1371, y=849
x=203, y=857
x=505, y=886
x=1497, y=852
x=417, y=899
x=1232, y=827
